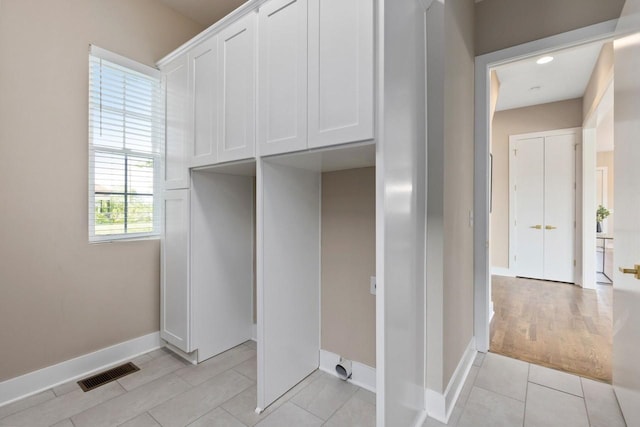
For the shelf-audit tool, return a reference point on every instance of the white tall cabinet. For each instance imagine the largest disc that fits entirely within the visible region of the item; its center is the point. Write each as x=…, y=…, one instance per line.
x=277, y=77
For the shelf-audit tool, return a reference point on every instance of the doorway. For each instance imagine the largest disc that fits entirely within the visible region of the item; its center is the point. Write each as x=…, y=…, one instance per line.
x=496, y=245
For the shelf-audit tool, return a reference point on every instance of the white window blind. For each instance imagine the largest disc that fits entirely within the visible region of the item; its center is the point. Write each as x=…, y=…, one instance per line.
x=126, y=136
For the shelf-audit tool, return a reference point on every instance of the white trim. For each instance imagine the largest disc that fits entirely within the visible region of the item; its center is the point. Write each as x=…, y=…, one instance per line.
x=51, y=376
x=440, y=406
x=602, y=31
x=254, y=332
x=123, y=61
x=502, y=271
x=362, y=375
x=189, y=357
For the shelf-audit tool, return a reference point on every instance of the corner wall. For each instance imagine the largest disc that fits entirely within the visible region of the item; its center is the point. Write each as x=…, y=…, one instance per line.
x=61, y=296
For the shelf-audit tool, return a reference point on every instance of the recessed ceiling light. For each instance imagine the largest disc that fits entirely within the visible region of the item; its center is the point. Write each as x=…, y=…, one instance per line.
x=544, y=60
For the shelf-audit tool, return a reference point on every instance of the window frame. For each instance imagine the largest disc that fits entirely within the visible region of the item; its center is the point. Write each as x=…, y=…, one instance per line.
x=156, y=154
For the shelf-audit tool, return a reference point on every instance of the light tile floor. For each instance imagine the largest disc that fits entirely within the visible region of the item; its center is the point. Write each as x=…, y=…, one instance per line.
x=500, y=391
x=219, y=392
x=222, y=392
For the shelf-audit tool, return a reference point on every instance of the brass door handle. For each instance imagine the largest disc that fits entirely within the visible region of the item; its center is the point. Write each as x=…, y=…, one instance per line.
x=635, y=271
x=550, y=227
x=537, y=227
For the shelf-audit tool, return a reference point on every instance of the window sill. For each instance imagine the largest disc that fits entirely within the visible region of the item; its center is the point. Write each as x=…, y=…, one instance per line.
x=138, y=238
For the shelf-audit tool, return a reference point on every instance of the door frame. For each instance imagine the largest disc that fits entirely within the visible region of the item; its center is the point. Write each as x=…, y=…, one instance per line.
x=483, y=65
x=576, y=131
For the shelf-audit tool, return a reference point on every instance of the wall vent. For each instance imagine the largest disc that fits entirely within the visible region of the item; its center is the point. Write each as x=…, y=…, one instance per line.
x=106, y=377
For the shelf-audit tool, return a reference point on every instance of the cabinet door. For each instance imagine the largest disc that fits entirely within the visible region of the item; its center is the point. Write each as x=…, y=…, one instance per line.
x=236, y=89
x=282, y=77
x=175, y=301
x=204, y=93
x=176, y=170
x=340, y=71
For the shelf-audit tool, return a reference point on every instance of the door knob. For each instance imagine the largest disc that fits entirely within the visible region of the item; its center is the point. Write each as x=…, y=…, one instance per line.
x=635, y=271
x=537, y=227
x=550, y=227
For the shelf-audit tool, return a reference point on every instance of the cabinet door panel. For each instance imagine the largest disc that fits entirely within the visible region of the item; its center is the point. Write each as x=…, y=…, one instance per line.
x=236, y=80
x=175, y=289
x=341, y=65
x=176, y=171
x=204, y=93
x=282, y=81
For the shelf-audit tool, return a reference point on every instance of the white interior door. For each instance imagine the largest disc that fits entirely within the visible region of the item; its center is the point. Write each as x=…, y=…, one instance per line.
x=288, y=278
x=542, y=205
x=626, y=294
x=559, y=207
x=527, y=164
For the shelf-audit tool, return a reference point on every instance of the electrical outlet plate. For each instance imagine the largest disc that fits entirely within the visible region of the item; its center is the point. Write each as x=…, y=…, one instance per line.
x=372, y=285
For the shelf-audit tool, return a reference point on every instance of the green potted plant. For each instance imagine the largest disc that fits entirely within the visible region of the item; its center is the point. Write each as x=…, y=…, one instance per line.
x=601, y=214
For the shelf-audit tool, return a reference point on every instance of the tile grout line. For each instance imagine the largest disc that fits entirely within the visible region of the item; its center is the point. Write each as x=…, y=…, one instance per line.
x=230, y=414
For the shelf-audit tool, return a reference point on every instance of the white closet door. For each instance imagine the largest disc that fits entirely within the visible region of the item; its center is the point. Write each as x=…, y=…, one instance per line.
x=559, y=207
x=288, y=278
x=204, y=93
x=282, y=77
x=175, y=299
x=236, y=89
x=176, y=85
x=527, y=157
x=341, y=62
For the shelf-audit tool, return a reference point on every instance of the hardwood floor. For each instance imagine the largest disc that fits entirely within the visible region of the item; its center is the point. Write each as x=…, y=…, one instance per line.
x=552, y=324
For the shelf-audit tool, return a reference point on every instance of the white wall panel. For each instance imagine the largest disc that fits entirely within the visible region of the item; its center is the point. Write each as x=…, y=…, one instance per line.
x=288, y=278
x=221, y=261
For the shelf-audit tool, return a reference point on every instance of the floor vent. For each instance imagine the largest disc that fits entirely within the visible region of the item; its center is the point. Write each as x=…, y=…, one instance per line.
x=106, y=377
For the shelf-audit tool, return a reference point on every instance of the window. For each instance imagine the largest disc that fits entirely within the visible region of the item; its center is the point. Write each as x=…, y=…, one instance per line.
x=126, y=136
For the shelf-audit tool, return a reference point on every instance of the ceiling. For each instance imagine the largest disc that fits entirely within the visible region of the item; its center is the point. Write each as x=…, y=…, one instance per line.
x=525, y=83
x=204, y=12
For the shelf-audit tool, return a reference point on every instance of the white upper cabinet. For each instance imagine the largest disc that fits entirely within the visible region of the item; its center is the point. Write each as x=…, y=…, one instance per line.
x=236, y=89
x=204, y=94
x=175, y=297
x=341, y=64
x=176, y=81
x=282, y=77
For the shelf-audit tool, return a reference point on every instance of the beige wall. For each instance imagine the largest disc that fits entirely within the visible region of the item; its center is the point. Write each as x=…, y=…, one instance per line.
x=600, y=79
x=555, y=115
x=505, y=23
x=61, y=297
x=348, y=228
x=458, y=182
x=348, y=261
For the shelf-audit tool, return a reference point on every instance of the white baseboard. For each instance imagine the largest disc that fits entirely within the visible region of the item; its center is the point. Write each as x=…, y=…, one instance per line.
x=440, y=405
x=362, y=375
x=502, y=271
x=79, y=367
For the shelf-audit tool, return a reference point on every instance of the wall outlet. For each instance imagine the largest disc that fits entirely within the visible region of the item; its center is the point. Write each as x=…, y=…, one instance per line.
x=372, y=285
